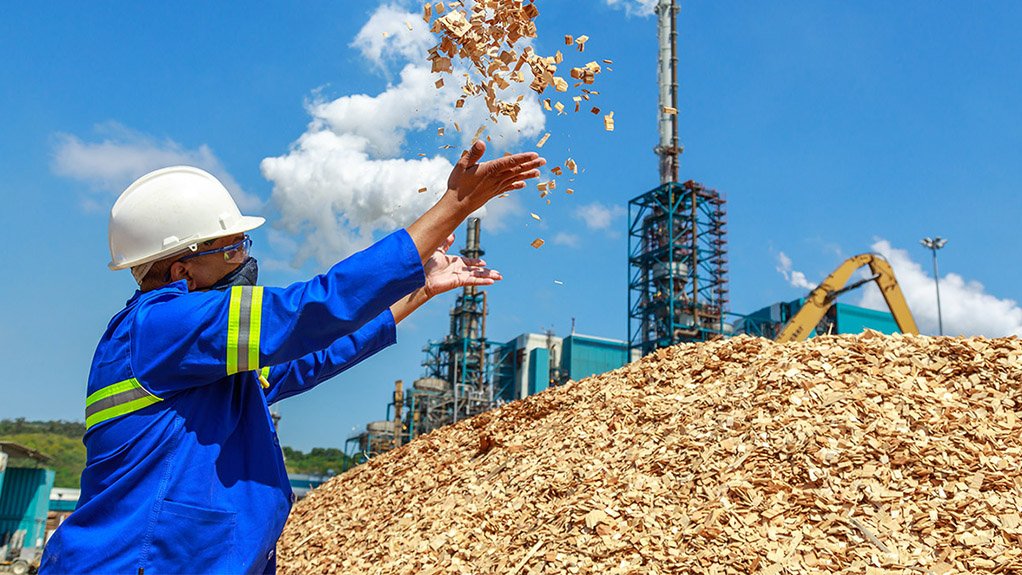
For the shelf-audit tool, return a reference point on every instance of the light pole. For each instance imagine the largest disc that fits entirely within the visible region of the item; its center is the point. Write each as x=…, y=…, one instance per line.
x=934, y=244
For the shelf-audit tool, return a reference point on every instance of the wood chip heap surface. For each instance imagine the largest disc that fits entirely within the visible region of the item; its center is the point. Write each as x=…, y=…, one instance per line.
x=843, y=454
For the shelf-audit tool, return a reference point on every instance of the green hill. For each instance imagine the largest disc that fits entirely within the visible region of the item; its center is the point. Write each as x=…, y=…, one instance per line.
x=68, y=455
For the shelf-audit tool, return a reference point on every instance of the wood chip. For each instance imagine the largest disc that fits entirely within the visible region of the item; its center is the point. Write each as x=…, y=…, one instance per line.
x=439, y=83
x=537, y=243
x=608, y=122
x=569, y=39
x=571, y=165
x=439, y=131
x=543, y=140
x=491, y=39
x=535, y=217
x=556, y=170
x=423, y=190
x=670, y=111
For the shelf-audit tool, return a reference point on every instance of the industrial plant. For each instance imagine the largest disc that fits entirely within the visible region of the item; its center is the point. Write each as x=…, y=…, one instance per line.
x=678, y=292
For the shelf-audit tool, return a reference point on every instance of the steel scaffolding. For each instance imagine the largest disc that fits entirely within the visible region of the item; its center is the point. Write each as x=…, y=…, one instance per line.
x=678, y=266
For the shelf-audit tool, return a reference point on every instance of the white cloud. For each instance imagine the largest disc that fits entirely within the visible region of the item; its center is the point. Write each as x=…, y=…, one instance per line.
x=598, y=216
x=120, y=155
x=634, y=7
x=346, y=179
x=566, y=239
x=386, y=36
x=795, y=278
x=965, y=306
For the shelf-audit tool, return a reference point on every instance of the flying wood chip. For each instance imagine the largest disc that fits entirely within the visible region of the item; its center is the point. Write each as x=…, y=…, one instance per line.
x=423, y=190
x=535, y=217
x=608, y=122
x=490, y=38
x=537, y=243
x=543, y=140
x=670, y=111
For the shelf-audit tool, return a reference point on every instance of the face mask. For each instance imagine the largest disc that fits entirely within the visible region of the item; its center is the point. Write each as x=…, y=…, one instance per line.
x=247, y=274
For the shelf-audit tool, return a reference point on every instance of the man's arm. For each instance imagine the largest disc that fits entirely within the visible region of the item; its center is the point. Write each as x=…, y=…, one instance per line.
x=443, y=273
x=307, y=372
x=181, y=342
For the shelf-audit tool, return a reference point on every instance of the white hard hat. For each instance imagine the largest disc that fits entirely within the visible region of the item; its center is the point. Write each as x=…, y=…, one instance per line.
x=168, y=211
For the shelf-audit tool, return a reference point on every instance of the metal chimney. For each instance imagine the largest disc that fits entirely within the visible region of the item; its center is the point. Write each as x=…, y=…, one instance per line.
x=668, y=147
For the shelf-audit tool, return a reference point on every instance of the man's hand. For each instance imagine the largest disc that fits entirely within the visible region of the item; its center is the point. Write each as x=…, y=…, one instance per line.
x=470, y=186
x=475, y=184
x=446, y=272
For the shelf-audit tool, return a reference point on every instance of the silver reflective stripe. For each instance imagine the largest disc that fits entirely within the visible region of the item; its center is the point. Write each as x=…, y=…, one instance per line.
x=244, y=328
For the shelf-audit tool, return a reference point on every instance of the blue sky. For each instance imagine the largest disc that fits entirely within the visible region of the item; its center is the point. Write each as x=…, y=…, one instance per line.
x=832, y=128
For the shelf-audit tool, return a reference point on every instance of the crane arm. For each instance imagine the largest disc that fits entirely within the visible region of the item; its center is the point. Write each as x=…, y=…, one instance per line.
x=821, y=298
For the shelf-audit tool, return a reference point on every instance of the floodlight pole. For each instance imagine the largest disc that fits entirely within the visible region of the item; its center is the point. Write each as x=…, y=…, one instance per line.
x=934, y=244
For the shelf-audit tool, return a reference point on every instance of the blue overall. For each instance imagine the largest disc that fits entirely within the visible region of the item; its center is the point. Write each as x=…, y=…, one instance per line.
x=184, y=470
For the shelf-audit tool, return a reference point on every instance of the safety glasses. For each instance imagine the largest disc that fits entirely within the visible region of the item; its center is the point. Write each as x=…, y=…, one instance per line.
x=233, y=254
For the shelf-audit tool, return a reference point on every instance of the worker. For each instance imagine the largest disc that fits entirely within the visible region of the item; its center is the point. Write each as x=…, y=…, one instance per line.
x=184, y=471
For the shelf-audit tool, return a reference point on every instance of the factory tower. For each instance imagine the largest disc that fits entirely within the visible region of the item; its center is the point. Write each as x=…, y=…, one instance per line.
x=677, y=237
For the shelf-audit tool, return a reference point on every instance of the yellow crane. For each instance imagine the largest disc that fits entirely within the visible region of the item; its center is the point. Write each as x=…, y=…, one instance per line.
x=821, y=298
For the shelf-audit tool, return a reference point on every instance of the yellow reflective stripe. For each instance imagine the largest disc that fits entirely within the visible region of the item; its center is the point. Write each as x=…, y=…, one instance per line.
x=244, y=324
x=233, y=329
x=118, y=399
x=111, y=390
x=121, y=409
x=255, y=327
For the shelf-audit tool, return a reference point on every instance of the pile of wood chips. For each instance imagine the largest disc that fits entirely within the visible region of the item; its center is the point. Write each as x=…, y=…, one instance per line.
x=846, y=454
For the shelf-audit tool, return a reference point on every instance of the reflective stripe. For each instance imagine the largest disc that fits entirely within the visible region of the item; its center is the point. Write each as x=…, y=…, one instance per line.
x=118, y=399
x=244, y=322
x=264, y=377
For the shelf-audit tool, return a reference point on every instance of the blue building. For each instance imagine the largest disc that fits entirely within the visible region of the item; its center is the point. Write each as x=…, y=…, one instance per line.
x=840, y=318
x=532, y=362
